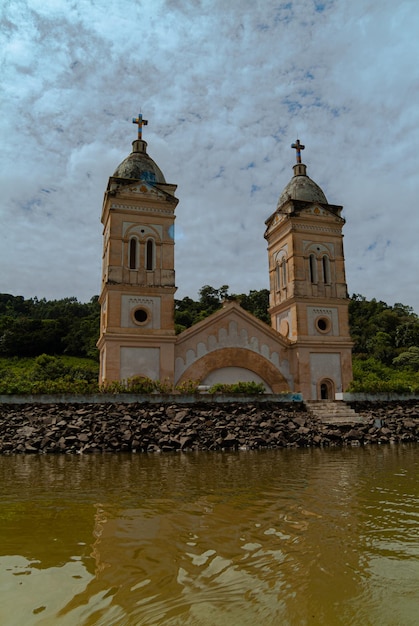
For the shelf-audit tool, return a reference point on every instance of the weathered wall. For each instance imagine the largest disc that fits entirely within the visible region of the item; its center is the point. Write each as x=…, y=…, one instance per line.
x=134, y=427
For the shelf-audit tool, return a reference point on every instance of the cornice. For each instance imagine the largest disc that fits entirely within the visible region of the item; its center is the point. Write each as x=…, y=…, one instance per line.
x=318, y=229
x=146, y=209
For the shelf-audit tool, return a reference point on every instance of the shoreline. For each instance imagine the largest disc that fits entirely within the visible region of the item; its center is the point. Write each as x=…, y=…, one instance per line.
x=72, y=428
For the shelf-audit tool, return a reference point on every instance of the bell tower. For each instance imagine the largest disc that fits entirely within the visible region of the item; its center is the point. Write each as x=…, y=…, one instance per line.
x=137, y=335
x=308, y=292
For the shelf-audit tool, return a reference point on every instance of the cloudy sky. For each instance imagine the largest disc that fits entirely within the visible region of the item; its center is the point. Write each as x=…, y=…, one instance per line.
x=227, y=86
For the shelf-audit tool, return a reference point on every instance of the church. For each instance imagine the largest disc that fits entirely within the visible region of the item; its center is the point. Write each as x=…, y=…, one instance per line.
x=307, y=349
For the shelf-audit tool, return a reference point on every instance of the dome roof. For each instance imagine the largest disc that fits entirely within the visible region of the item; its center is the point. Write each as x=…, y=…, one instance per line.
x=301, y=187
x=139, y=166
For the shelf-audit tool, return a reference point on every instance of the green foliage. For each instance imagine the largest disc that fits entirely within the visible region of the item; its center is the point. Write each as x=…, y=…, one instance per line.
x=33, y=327
x=48, y=367
x=373, y=376
x=380, y=330
x=408, y=359
x=189, y=312
x=136, y=384
x=386, y=347
x=248, y=388
x=256, y=302
x=188, y=387
x=44, y=344
x=48, y=374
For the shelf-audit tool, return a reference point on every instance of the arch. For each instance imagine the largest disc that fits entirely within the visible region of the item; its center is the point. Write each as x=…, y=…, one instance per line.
x=284, y=272
x=236, y=357
x=312, y=259
x=133, y=253
x=326, y=389
x=278, y=277
x=326, y=269
x=281, y=270
x=150, y=254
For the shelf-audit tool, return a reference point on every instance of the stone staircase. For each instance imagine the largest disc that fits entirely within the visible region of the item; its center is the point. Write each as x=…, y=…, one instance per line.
x=333, y=412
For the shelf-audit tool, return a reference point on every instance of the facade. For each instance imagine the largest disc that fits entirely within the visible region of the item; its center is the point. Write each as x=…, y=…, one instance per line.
x=308, y=347
x=308, y=292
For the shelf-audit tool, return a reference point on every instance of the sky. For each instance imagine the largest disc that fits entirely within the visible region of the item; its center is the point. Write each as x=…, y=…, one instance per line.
x=226, y=86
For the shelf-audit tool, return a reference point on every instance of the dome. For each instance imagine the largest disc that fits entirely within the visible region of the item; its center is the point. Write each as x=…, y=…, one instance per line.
x=301, y=187
x=139, y=166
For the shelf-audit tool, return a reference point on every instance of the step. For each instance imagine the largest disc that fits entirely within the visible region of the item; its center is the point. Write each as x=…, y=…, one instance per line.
x=333, y=412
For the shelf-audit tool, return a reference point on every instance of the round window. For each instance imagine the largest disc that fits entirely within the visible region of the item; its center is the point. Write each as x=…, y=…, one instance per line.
x=323, y=324
x=140, y=316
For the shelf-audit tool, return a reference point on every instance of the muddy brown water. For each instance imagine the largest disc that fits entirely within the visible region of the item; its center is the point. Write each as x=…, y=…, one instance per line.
x=284, y=537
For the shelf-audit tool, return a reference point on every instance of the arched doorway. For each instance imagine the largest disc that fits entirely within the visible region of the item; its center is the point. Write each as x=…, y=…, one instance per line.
x=326, y=389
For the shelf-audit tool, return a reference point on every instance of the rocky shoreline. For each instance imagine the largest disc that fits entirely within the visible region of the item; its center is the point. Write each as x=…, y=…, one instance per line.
x=100, y=428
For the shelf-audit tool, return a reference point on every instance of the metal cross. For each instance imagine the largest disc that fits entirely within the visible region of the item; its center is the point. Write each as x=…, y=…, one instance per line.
x=140, y=122
x=298, y=147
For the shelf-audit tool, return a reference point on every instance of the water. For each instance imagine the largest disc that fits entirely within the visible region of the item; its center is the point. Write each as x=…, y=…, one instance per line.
x=285, y=537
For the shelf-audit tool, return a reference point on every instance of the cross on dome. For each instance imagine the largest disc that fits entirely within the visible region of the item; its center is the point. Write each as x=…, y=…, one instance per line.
x=140, y=123
x=298, y=147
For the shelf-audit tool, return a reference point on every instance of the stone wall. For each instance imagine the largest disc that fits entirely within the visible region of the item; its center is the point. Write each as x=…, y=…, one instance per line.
x=142, y=427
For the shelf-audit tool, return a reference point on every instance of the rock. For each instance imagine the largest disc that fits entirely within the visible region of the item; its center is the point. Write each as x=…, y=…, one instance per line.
x=303, y=430
x=181, y=416
x=93, y=428
x=186, y=442
x=384, y=431
x=229, y=441
x=354, y=434
x=408, y=423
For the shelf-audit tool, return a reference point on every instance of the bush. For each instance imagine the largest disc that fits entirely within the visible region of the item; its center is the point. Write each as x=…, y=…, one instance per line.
x=188, y=387
x=136, y=384
x=48, y=374
x=372, y=376
x=248, y=388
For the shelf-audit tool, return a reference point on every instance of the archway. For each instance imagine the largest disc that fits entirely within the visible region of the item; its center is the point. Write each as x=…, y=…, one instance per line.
x=240, y=358
x=326, y=389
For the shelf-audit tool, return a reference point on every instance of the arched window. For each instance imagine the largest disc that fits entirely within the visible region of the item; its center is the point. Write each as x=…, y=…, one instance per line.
x=313, y=268
x=284, y=272
x=278, y=277
x=133, y=254
x=326, y=269
x=281, y=271
x=149, y=255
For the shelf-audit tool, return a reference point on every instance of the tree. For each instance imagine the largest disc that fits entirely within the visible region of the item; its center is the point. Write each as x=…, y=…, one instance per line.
x=211, y=299
x=381, y=330
x=257, y=303
x=32, y=327
x=409, y=359
x=29, y=337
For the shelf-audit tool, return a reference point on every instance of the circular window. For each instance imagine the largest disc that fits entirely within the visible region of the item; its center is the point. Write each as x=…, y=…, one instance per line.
x=141, y=316
x=323, y=324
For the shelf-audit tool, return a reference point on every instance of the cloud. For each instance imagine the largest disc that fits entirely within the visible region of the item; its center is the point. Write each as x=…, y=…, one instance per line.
x=226, y=88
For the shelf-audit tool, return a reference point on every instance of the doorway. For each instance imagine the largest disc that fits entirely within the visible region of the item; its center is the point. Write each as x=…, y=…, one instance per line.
x=327, y=390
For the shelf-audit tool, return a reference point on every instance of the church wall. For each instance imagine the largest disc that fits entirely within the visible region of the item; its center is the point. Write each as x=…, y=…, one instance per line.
x=140, y=362
x=150, y=305
x=231, y=375
x=319, y=362
x=309, y=339
x=151, y=361
x=326, y=366
x=233, y=338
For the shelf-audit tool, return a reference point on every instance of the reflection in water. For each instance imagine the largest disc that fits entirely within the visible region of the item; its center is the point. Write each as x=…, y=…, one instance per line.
x=290, y=537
